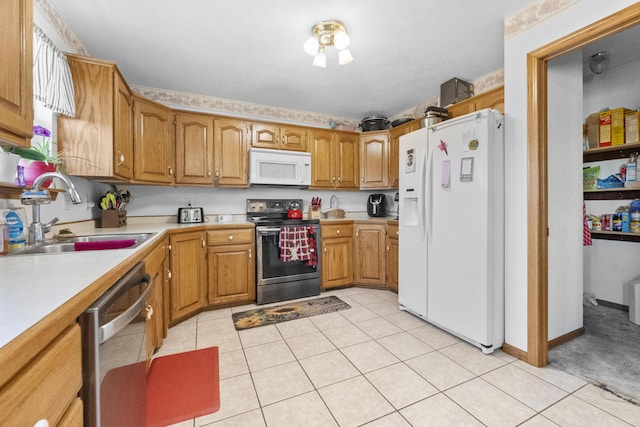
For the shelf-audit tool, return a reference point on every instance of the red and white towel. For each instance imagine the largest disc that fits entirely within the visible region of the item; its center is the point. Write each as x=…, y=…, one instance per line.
x=586, y=233
x=297, y=243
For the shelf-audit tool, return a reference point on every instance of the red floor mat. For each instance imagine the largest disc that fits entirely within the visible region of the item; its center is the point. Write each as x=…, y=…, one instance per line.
x=182, y=386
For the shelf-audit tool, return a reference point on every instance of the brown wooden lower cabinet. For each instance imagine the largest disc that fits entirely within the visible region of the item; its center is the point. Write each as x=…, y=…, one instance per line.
x=188, y=262
x=47, y=388
x=337, y=254
x=392, y=257
x=371, y=254
x=231, y=266
x=156, y=266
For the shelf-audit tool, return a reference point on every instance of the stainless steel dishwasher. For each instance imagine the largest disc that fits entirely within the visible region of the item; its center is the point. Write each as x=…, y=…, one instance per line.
x=114, y=353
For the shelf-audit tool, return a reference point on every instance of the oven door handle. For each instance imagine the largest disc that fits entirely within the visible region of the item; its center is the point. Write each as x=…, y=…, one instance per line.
x=268, y=229
x=114, y=326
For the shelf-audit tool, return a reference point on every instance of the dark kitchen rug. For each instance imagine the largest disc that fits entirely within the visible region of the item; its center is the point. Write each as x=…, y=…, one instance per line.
x=290, y=311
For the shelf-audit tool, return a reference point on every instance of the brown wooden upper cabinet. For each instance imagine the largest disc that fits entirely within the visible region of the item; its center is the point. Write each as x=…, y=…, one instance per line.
x=266, y=135
x=98, y=141
x=231, y=152
x=493, y=98
x=374, y=159
x=394, y=149
x=152, y=142
x=334, y=159
x=16, y=79
x=194, y=148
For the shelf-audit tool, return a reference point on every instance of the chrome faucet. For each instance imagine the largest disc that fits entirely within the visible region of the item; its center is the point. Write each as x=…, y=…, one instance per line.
x=36, y=197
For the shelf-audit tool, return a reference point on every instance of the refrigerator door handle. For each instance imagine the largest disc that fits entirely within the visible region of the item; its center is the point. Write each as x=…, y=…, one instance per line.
x=421, y=199
x=427, y=199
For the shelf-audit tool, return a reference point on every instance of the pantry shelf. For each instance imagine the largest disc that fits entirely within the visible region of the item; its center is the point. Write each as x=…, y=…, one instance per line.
x=616, y=235
x=610, y=153
x=612, y=194
x=11, y=191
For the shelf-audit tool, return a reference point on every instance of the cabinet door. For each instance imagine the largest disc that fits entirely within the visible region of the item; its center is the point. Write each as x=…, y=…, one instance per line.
x=16, y=81
x=293, y=138
x=231, y=153
x=370, y=257
x=392, y=264
x=194, y=149
x=153, y=142
x=337, y=262
x=394, y=150
x=491, y=99
x=374, y=160
x=188, y=274
x=88, y=139
x=265, y=136
x=347, y=163
x=156, y=328
x=123, y=129
x=322, y=159
x=231, y=274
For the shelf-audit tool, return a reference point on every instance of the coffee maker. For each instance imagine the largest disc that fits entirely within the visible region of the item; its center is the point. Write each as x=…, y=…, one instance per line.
x=376, y=206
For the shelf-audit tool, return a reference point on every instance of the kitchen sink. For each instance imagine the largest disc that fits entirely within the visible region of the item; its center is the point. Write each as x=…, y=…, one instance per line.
x=63, y=244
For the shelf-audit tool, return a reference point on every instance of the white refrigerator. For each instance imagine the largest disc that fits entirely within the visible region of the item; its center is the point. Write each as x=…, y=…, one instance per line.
x=451, y=226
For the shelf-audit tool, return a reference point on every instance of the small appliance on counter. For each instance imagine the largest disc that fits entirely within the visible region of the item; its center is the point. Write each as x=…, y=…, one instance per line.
x=190, y=215
x=376, y=206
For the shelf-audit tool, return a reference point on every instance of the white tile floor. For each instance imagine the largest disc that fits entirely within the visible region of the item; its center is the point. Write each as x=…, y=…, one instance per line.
x=375, y=365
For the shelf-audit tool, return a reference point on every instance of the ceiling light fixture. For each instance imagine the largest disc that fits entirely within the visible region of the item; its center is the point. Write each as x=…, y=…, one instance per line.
x=328, y=33
x=598, y=62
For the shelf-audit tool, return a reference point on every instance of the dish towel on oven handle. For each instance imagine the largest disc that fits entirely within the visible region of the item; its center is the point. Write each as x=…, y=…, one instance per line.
x=298, y=243
x=294, y=243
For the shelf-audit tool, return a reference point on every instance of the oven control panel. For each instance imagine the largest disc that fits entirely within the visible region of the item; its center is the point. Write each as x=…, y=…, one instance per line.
x=272, y=205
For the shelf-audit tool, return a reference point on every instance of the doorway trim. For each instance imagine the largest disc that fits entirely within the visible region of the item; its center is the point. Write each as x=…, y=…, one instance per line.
x=537, y=190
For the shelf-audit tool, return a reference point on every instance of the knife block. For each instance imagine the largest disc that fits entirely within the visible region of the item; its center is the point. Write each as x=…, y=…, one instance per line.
x=314, y=212
x=113, y=218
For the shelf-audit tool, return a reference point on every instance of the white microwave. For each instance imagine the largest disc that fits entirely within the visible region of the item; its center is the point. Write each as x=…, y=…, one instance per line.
x=279, y=167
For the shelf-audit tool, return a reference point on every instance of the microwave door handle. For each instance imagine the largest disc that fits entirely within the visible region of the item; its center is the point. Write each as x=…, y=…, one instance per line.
x=305, y=172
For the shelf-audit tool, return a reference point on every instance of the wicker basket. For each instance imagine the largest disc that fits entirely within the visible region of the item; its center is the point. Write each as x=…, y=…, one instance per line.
x=334, y=213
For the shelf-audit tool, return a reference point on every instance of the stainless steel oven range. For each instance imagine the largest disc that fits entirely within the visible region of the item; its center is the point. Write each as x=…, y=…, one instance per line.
x=287, y=250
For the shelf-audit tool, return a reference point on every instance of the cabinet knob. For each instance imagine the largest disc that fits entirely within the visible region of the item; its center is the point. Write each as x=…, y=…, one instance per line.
x=169, y=274
x=149, y=310
x=208, y=172
x=216, y=172
x=202, y=242
x=41, y=423
x=324, y=248
x=333, y=178
x=339, y=179
x=120, y=158
x=362, y=179
x=170, y=171
x=249, y=253
x=337, y=231
x=230, y=237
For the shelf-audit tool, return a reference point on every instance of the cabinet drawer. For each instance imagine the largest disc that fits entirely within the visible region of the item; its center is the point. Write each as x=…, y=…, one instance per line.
x=392, y=231
x=338, y=230
x=229, y=236
x=48, y=386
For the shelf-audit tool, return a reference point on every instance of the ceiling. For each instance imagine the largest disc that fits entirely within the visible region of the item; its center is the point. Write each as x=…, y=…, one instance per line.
x=251, y=50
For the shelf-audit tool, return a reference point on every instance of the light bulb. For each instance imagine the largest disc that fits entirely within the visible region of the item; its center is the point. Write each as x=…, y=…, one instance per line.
x=344, y=57
x=599, y=61
x=340, y=39
x=320, y=59
x=311, y=46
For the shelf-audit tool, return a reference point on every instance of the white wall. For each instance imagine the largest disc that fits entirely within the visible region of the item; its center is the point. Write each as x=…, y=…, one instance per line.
x=608, y=265
x=516, y=48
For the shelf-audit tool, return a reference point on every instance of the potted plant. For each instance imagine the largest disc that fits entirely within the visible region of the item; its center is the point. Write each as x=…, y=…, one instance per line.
x=39, y=158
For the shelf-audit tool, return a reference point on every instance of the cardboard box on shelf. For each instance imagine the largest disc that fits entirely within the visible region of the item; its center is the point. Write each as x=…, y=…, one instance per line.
x=612, y=127
x=631, y=120
x=593, y=130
